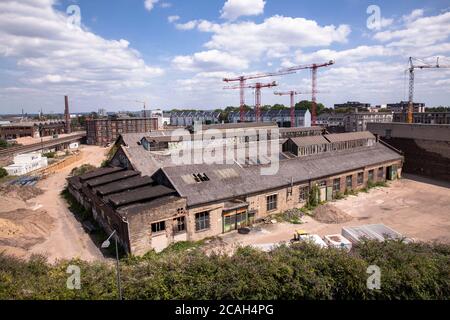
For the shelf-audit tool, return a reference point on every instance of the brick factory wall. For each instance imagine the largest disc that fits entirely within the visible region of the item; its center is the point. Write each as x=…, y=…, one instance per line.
x=140, y=226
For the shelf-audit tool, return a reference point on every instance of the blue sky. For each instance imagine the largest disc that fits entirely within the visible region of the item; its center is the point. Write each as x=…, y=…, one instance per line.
x=173, y=53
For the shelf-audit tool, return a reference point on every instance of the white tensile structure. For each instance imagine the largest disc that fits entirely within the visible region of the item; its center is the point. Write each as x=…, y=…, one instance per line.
x=25, y=163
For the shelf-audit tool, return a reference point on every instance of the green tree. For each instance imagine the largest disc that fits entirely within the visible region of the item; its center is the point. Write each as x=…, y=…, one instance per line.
x=3, y=172
x=3, y=144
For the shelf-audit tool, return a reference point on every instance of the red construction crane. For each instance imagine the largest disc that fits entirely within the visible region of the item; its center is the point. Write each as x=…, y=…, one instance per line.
x=257, y=86
x=145, y=114
x=242, y=86
x=313, y=68
x=291, y=93
x=424, y=65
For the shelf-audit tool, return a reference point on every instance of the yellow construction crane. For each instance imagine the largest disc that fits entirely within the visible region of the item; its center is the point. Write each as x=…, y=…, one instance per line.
x=412, y=66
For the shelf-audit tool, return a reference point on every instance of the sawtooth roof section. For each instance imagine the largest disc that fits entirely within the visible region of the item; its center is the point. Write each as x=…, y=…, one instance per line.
x=146, y=194
x=99, y=172
x=248, y=180
x=113, y=177
x=124, y=185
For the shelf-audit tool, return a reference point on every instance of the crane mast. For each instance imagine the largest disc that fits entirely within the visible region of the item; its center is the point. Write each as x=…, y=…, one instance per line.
x=242, y=85
x=411, y=69
x=257, y=86
x=313, y=68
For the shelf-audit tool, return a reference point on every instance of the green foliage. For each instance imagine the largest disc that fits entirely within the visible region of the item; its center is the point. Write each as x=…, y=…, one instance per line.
x=306, y=104
x=303, y=271
x=50, y=155
x=292, y=216
x=313, y=198
x=3, y=144
x=3, y=172
x=339, y=195
x=85, y=168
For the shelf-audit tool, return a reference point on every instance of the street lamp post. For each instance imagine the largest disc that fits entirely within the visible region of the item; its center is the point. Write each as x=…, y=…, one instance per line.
x=106, y=244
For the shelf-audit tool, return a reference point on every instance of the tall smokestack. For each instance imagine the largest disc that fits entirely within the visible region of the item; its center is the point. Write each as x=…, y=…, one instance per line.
x=67, y=114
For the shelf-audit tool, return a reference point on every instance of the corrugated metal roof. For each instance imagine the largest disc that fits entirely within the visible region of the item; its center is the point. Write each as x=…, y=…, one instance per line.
x=99, y=172
x=339, y=137
x=309, y=140
x=378, y=232
x=139, y=194
x=249, y=179
x=126, y=184
x=115, y=176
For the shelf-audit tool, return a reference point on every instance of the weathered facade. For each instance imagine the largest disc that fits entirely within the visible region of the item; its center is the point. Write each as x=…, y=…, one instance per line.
x=32, y=129
x=426, y=147
x=103, y=131
x=427, y=117
x=193, y=202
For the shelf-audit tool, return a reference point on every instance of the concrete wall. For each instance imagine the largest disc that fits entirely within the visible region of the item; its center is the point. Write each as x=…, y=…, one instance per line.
x=426, y=147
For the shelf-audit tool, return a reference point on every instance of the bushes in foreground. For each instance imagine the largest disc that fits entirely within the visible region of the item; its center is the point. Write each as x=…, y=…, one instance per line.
x=304, y=271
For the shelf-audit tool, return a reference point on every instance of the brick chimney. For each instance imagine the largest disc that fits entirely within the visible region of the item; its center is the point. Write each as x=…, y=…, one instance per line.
x=67, y=114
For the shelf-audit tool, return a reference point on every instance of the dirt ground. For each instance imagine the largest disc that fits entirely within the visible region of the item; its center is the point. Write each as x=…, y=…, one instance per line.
x=31, y=140
x=417, y=207
x=62, y=236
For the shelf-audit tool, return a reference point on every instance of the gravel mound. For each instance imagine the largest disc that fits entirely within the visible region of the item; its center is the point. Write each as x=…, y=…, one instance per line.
x=328, y=213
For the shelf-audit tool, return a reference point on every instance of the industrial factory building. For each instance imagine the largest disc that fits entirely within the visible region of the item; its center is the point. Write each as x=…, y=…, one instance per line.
x=428, y=117
x=35, y=129
x=103, y=131
x=302, y=118
x=426, y=147
x=403, y=106
x=152, y=204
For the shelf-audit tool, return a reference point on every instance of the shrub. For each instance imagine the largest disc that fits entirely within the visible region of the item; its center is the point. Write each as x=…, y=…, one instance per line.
x=85, y=168
x=50, y=155
x=302, y=271
x=3, y=172
x=3, y=144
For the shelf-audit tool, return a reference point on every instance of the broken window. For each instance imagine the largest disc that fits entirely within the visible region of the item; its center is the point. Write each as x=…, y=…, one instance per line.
x=349, y=182
x=381, y=172
x=370, y=175
x=336, y=185
x=179, y=225
x=199, y=177
x=158, y=226
x=360, y=178
x=272, y=202
x=304, y=193
x=202, y=221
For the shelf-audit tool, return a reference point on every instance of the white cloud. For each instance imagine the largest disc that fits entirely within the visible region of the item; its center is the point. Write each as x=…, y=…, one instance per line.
x=344, y=56
x=413, y=15
x=165, y=5
x=211, y=60
x=418, y=31
x=187, y=26
x=233, y=9
x=52, y=53
x=172, y=19
x=274, y=37
x=150, y=4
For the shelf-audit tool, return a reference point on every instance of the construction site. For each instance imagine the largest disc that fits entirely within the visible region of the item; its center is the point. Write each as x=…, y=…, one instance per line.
x=325, y=182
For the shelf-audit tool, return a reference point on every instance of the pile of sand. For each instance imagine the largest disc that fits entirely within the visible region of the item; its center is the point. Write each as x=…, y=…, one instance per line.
x=328, y=213
x=23, y=193
x=24, y=228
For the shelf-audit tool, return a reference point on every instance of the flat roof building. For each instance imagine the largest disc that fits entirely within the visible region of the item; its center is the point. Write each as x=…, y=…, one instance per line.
x=103, y=131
